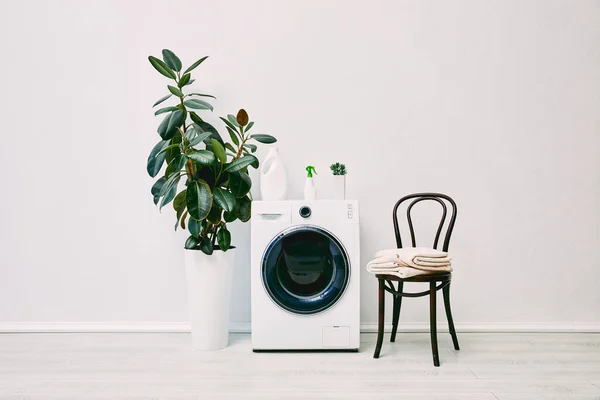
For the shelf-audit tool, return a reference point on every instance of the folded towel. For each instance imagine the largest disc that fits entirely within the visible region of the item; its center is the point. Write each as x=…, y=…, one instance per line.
x=416, y=257
x=410, y=261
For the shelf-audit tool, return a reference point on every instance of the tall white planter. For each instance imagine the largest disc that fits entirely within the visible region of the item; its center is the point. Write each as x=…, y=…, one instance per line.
x=273, y=177
x=339, y=187
x=209, y=280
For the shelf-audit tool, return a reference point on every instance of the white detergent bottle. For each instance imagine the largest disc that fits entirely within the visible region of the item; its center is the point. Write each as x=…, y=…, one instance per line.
x=273, y=177
x=310, y=192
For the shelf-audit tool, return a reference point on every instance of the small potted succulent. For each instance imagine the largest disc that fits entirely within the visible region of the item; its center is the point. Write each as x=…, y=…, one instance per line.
x=206, y=180
x=339, y=180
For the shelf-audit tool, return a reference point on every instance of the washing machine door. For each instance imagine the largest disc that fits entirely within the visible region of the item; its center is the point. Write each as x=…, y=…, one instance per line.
x=305, y=269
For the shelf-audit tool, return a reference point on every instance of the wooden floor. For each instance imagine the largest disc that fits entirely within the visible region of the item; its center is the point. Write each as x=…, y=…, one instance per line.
x=163, y=366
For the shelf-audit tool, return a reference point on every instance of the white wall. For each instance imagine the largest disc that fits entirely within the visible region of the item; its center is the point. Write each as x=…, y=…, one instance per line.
x=495, y=103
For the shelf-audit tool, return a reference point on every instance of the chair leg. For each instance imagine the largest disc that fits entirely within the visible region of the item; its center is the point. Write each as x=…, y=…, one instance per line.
x=433, y=324
x=397, y=305
x=381, y=316
x=446, y=290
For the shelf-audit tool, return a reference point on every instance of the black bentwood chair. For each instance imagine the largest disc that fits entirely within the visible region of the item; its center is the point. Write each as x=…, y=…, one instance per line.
x=444, y=278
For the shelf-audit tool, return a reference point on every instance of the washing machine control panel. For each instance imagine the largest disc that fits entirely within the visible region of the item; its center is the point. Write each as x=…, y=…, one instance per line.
x=305, y=211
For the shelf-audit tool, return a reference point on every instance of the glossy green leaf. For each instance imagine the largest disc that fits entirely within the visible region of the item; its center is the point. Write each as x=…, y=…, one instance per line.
x=175, y=91
x=169, y=195
x=172, y=122
x=194, y=227
x=199, y=199
x=191, y=243
x=250, y=146
x=156, y=160
x=239, y=184
x=171, y=60
x=224, y=239
x=240, y=163
x=233, y=136
x=202, y=95
x=233, y=120
x=165, y=110
x=161, y=67
x=169, y=147
x=174, y=151
x=224, y=199
x=206, y=246
x=200, y=138
x=243, y=209
x=250, y=125
x=219, y=151
x=194, y=65
x=198, y=104
x=203, y=157
x=171, y=180
x=157, y=186
x=184, y=80
x=229, y=124
x=179, y=201
x=229, y=147
x=162, y=99
x=214, y=216
x=229, y=216
x=267, y=139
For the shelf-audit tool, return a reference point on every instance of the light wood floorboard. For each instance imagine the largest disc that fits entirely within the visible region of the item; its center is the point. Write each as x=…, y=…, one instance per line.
x=163, y=366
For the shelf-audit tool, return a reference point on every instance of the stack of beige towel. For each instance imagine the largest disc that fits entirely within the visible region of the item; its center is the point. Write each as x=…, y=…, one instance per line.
x=409, y=261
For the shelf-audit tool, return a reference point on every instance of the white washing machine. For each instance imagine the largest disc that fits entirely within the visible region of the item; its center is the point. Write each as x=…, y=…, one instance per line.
x=305, y=275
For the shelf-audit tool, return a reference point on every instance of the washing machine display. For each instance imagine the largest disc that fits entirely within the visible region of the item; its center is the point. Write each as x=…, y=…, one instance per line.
x=305, y=269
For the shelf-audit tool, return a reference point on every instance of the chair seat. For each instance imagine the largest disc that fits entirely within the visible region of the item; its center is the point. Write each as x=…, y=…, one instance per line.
x=439, y=277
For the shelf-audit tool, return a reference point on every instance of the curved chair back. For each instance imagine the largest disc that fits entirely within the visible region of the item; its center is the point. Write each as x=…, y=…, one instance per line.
x=443, y=200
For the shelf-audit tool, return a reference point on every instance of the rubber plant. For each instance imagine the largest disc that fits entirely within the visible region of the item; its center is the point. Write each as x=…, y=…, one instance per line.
x=216, y=188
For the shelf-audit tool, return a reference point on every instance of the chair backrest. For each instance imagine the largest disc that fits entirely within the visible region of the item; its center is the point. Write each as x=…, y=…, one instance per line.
x=442, y=199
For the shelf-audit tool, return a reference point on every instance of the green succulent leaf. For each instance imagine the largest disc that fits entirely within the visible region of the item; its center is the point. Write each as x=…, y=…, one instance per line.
x=239, y=184
x=243, y=209
x=184, y=80
x=191, y=242
x=200, y=138
x=233, y=136
x=203, y=157
x=267, y=139
x=224, y=239
x=162, y=99
x=206, y=246
x=171, y=60
x=169, y=126
x=161, y=67
x=175, y=91
x=241, y=163
x=202, y=95
x=233, y=120
x=199, y=199
x=224, y=199
x=194, y=227
x=198, y=104
x=194, y=65
x=219, y=150
x=156, y=160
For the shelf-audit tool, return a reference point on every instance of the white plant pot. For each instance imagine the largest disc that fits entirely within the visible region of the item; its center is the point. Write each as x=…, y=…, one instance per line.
x=339, y=187
x=209, y=281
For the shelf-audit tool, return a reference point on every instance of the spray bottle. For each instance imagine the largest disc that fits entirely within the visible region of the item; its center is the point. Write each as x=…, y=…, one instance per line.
x=310, y=193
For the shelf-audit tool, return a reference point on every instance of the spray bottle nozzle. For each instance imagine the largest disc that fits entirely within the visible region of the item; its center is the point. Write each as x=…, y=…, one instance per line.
x=310, y=169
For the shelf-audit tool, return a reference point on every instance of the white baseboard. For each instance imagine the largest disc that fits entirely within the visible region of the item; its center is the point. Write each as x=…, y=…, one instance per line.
x=244, y=327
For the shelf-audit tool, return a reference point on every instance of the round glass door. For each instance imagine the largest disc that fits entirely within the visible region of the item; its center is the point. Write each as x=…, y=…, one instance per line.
x=305, y=270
